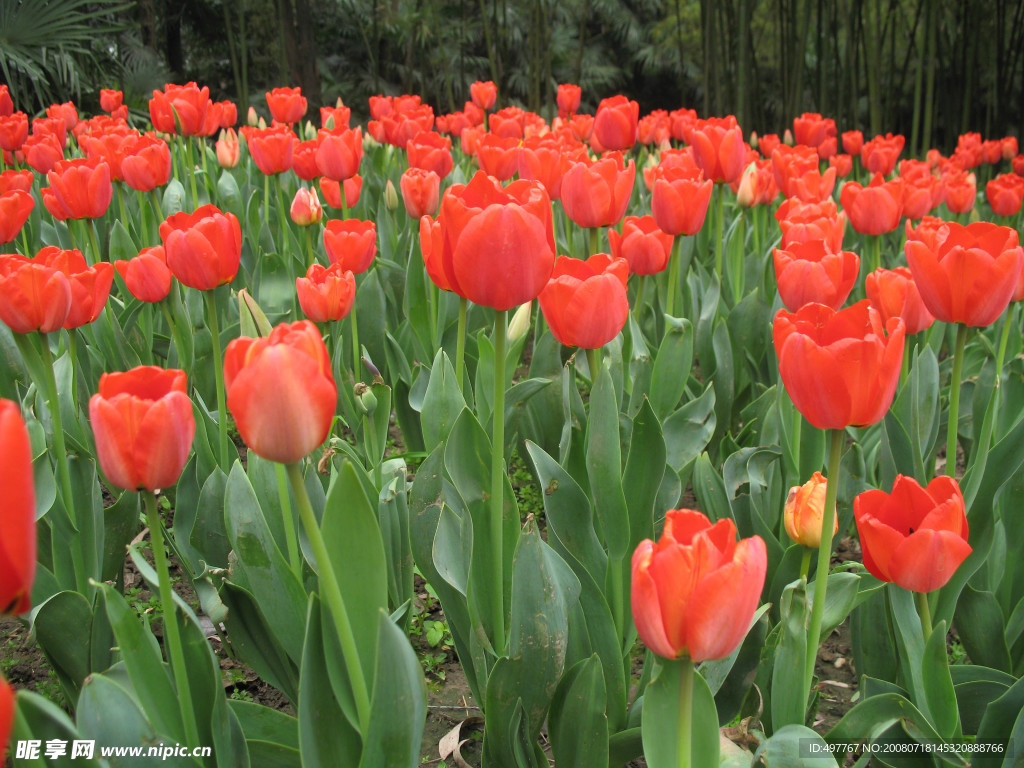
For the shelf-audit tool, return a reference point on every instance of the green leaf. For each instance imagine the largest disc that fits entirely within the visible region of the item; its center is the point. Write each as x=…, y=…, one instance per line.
x=795, y=746
x=326, y=737
x=398, y=708
x=257, y=647
x=709, y=489
x=979, y=621
x=442, y=403
x=122, y=247
x=577, y=724
x=261, y=723
x=38, y=718
x=604, y=466
x=938, y=686
x=909, y=644
x=59, y=625
x=689, y=430
x=672, y=366
x=661, y=719
x=641, y=481
x=789, y=689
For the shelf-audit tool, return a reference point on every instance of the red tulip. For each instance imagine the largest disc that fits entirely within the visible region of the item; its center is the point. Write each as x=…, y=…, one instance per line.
x=79, y=189
x=11, y=180
x=7, y=703
x=351, y=243
x=967, y=274
x=839, y=368
x=492, y=245
x=960, y=189
x=879, y=155
x=809, y=129
x=768, y=143
x=339, y=154
x=110, y=146
x=281, y=392
x=326, y=293
x=42, y=152
x=179, y=105
x=67, y=112
x=18, y=545
x=6, y=105
x=33, y=295
x=203, y=248
x=143, y=423
x=146, y=276
x=90, y=286
x=615, y=124
x=1008, y=145
x=13, y=131
x=853, y=142
x=270, y=148
x=342, y=194
x=335, y=118
x=801, y=222
x=914, y=537
x=695, y=591
x=655, y=128
x=484, y=94
x=507, y=123
x=304, y=159
x=876, y=208
x=894, y=294
x=843, y=165
x=110, y=99
x=497, y=156
x=596, y=194
x=810, y=273
x=756, y=186
x=306, y=209
x=421, y=192
x=54, y=125
x=645, y=247
x=430, y=151
x=679, y=200
x=148, y=164
x=1004, y=194
x=585, y=302
x=15, y=208
x=718, y=149
x=541, y=158
x=287, y=105
x=568, y=99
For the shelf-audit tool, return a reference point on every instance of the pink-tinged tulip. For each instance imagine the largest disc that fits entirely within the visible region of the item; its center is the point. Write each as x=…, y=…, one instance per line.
x=894, y=294
x=281, y=392
x=143, y=423
x=809, y=273
x=306, y=209
x=18, y=519
x=351, y=243
x=585, y=302
x=695, y=591
x=914, y=537
x=645, y=247
x=229, y=151
x=326, y=294
x=203, y=248
x=146, y=276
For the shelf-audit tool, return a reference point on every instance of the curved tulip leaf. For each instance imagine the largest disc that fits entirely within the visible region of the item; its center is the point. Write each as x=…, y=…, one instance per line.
x=604, y=466
x=442, y=403
x=641, y=481
x=39, y=718
x=795, y=746
x=789, y=688
x=979, y=622
x=689, y=430
x=671, y=366
x=577, y=725
x=660, y=722
x=938, y=686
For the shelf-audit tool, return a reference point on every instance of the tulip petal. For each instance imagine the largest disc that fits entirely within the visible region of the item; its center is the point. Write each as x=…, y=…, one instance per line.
x=926, y=560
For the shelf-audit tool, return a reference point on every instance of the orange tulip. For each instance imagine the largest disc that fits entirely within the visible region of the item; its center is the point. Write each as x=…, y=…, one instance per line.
x=18, y=544
x=1005, y=193
x=146, y=276
x=270, y=148
x=326, y=293
x=306, y=209
x=596, y=194
x=430, y=151
x=79, y=189
x=680, y=199
x=421, y=192
x=894, y=294
x=147, y=165
x=853, y=142
x=181, y=106
x=810, y=273
x=143, y=423
x=339, y=154
x=645, y=247
x=110, y=99
x=90, y=286
x=568, y=99
x=585, y=302
x=204, y=248
x=695, y=591
x=718, y=149
x=351, y=243
x=805, y=512
x=498, y=156
x=33, y=295
x=484, y=94
x=615, y=124
x=802, y=222
x=879, y=155
x=13, y=131
x=15, y=208
x=876, y=208
x=281, y=392
x=287, y=105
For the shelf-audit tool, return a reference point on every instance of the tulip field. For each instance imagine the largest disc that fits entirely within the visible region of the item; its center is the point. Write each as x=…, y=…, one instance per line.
x=498, y=439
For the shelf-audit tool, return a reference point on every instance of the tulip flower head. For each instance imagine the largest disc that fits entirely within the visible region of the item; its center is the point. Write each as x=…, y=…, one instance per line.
x=894, y=294
x=808, y=272
x=645, y=247
x=351, y=243
x=805, y=512
x=694, y=592
x=585, y=302
x=18, y=518
x=203, y=248
x=146, y=276
x=914, y=537
x=326, y=294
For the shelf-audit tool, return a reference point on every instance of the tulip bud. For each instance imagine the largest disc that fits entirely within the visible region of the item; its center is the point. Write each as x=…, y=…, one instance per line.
x=746, y=194
x=787, y=138
x=306, y=209
x=339, y=103
x=310, y=131
x=253, y=320
x=753, y=138
x=390, y=196
x=261, y=124
x=805, y=511
x=365, y=399
x=520, y=324
x=228, y=149
x=251, y=118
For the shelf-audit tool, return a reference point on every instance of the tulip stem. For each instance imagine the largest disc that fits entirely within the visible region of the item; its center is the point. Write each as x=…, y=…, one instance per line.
x=95, y=241
x=291, y=540
x=924, y=610
x=460, y=341
x=835, y=453
x=954, y=399
x=59, y=448
x=719, y=226
x=119, y=186
x=805, y=564
x=175, y=653
x=595, y=240
x=191, y=172
x=266, y=198
x=330, y=592
x=673, y=277
x=355, y=342
x=218, y=369
x=684, y=750
x=310, y=257
x=158, y=207
x=594, y=364
x=283, y=247
x=498, y=481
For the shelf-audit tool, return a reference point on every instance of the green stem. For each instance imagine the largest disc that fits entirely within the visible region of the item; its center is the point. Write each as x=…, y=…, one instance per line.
x=120, y=201
x=824, y=555
x=144, y=233
x=310, y=257
x=498, y=481
x=798, y=426
x=719, y=226
x=266, y=198
x=954, y=399
x=282, y=216
x=1004, y=336
x=355, y=343
x=191, y=172
x=175, y=652
x=594, y=363
x=924, y=610
x=158, y=207
x=291, y=540
x=673, y=277
x=876, y=252
x=331, y=595
x=684, y=733
x=218, y=368
x=805, y=564
x=460, y=342
x=63, y=474
x=595, y=240
x=95, y=241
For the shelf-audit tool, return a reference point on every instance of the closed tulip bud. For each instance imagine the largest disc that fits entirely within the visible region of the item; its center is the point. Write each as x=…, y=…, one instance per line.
x=261, y=124
x=805, y=511
x=251, y=118
x=520, y=324
x=787, y=138
x=390, y=196
x=229, y=152
x=306, y=209
x=366, y=401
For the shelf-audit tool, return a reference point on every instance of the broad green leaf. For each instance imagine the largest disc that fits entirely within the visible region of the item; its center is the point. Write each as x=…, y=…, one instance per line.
x=795, y=746
x=671, y=366
x=661, y=720
x=442, y=403
x=979, y=621
x=577, y=724
x=789, y=688
x=689, y=430
x=604, y=466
